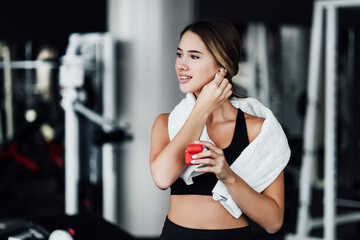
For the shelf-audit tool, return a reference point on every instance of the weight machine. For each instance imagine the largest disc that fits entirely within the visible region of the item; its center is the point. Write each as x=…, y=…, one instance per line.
x=90, y=54
x=330, y=220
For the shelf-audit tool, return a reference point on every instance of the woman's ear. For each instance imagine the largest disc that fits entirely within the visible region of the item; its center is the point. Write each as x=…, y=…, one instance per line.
x=220, y=69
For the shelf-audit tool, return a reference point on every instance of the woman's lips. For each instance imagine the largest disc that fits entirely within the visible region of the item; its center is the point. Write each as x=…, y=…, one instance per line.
x=184, y=78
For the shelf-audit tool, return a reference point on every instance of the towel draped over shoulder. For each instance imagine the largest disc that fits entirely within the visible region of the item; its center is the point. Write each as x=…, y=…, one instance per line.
x=259, y=164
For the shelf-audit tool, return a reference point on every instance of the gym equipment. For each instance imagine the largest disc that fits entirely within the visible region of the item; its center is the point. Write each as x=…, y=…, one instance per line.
x=304, y=221
x=90, y=56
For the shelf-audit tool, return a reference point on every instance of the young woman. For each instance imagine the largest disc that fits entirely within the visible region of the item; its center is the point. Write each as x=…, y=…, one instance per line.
x=207, y=58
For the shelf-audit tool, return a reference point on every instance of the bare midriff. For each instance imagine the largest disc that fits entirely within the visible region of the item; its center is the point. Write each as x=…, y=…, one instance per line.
x=202, y=212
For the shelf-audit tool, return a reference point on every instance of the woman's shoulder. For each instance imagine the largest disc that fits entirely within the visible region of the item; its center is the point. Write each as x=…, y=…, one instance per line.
x=161, y=121
x=163, y=117
x=160, y=128
x=253, y=125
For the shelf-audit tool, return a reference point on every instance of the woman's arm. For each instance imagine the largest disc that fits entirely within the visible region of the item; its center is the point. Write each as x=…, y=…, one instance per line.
x=266, y=208
x=167, y=157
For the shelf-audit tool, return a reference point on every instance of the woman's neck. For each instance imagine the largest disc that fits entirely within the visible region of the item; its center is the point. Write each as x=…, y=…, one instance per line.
x=224, y=113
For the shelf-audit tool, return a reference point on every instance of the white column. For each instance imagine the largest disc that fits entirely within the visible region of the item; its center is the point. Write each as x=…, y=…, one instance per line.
x=251, y=55
x=109, y=171
x=8, y=104
x=263, y=65
x=72, y=153
x=330, y=125
x=147, y=33
x=306, y=171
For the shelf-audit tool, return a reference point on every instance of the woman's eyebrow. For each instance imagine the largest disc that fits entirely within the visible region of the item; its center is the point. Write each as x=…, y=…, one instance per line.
x=195, y=51
x=191, y=51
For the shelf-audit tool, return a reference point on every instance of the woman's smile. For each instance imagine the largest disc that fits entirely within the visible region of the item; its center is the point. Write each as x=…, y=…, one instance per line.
x=184, y=78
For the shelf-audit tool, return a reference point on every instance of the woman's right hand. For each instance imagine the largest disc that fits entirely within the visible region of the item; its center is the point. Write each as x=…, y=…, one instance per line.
x=214, y=93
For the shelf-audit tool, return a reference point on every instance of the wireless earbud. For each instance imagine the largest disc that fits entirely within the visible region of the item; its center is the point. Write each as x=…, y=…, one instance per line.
x=221, y=69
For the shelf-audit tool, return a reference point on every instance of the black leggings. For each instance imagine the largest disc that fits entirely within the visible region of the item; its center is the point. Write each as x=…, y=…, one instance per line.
x=172, y=231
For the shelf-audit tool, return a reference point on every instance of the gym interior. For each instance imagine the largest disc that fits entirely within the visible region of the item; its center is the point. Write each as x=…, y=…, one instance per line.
x=82, y=82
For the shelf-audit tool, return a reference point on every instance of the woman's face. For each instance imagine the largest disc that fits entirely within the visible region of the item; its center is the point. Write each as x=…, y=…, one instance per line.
x=195, y=66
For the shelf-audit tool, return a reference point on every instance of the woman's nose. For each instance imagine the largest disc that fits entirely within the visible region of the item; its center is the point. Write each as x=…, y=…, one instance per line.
x=181, y=65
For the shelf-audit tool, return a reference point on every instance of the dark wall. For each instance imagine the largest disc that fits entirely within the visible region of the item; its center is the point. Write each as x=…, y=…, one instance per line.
x=268, y=11
x=50, y=20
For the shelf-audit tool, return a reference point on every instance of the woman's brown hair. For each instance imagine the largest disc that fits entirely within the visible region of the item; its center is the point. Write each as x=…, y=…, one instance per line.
x=223, y=41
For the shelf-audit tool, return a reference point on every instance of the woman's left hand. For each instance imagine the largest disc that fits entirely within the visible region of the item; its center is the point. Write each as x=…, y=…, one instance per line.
x=215, y=160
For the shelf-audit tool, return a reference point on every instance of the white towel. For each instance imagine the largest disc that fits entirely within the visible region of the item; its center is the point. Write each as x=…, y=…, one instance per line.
x=260, y=162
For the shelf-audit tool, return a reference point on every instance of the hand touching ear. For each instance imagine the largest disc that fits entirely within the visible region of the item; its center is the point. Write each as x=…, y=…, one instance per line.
x=215, y=92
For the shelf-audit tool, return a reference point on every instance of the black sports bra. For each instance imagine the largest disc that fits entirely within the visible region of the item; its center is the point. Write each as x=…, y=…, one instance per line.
x=204, y=183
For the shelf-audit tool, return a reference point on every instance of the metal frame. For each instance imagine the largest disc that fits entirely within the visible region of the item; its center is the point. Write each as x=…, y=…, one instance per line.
x=8, y=105
x=258, y=62
x=29, y=64
x=304, y=221
x=72, y=79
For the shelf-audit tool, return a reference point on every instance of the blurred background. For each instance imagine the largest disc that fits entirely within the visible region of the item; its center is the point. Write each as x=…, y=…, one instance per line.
x=81, y=83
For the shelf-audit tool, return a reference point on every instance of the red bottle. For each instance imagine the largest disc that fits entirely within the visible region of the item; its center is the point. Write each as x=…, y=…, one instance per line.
x=191, y=150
